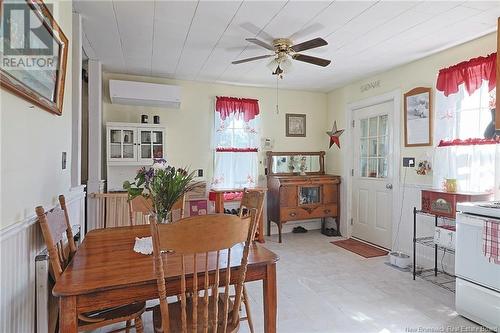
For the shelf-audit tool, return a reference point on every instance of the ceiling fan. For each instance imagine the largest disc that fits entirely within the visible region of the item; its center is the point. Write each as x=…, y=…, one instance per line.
x=284, y=49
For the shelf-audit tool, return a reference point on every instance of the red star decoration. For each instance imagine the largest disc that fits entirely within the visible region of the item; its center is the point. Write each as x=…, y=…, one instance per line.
x=334, y=135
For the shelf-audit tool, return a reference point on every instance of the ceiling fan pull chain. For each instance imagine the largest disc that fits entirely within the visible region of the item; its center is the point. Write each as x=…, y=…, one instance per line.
x=277, y=96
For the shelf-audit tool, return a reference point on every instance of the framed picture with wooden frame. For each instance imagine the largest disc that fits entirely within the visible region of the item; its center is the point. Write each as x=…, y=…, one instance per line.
x=295, y=125
x=418, y=117
x=33, y=68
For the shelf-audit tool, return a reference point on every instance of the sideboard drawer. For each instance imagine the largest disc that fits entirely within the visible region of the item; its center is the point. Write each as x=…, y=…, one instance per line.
x=304, y=213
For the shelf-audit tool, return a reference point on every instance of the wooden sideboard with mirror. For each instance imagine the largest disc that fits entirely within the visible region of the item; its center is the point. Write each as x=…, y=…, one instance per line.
x=299, y=189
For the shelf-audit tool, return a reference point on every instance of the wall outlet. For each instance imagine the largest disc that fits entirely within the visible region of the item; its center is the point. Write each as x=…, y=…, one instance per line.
x=200, y=172
x=408, y=162
x=63, y=160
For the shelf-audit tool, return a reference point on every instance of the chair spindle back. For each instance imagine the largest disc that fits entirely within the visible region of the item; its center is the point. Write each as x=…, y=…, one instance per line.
x=54, y=224
x=140, y=207
x=252, y=204
x=191, y=241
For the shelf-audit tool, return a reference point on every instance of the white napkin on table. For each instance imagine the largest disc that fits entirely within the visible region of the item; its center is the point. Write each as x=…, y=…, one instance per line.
x=143, y=245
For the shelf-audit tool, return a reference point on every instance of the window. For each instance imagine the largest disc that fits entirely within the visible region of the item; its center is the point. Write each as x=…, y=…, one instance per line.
x=463, y=116
x=374, y=143
x=236, y=145
x=462, y=121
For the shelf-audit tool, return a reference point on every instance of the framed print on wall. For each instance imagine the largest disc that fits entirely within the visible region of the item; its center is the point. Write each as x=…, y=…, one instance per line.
x=295, y=125
x=418, y=117
x=34, y=54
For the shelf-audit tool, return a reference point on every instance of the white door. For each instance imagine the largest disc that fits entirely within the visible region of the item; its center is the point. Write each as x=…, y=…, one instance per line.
x=373, y=174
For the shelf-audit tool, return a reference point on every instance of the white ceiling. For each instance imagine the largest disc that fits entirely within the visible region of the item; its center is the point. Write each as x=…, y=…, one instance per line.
x=197, y=40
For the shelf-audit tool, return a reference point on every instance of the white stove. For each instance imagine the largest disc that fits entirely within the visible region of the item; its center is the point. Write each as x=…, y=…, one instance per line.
x=483, y=208
x=478, y=280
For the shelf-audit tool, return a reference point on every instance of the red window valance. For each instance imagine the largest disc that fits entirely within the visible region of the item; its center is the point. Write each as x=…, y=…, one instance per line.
x=246, y=106
x=468, y=142
x=236, y=150
x=471, y=73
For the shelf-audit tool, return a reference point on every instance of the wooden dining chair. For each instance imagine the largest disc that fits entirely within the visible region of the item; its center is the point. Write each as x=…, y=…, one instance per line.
x=139, y=207
x=191, y=242
x=54, y=224
x=252, y=204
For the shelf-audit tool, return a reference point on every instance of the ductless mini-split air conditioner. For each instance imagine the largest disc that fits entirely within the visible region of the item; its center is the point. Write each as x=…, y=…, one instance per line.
x=145, y=94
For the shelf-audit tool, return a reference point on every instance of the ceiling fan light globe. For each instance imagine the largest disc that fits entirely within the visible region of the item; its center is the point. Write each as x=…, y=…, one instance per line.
x=286, y=65
x=273, y=64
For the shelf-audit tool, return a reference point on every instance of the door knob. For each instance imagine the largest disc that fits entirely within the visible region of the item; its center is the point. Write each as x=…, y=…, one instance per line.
x=388, y=186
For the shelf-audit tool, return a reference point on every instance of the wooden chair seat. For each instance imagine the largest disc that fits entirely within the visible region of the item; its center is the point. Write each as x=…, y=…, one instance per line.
x=175, y=312
x=93, y=320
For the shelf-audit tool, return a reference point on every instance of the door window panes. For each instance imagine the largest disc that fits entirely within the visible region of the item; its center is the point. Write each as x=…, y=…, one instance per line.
x=364, y=167
x=374, y=147
x=364, y=128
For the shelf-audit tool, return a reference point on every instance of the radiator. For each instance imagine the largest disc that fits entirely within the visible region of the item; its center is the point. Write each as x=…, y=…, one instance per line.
x=46, y=304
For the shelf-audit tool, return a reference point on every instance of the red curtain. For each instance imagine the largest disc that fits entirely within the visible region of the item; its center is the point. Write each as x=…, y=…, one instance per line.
x=468, y=142
x=246, y=106
x=471, y=73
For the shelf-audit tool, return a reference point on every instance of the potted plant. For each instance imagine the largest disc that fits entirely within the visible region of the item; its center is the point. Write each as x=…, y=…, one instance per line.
x=163, y=185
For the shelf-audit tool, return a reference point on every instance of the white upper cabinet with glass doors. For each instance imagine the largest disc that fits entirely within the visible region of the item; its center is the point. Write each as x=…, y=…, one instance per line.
x=134, y=144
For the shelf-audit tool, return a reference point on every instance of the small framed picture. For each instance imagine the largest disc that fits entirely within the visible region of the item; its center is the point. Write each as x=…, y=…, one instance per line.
x=418, y=117
x=295, y=125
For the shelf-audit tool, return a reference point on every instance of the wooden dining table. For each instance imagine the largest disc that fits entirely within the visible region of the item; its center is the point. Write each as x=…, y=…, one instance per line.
x=106, y=272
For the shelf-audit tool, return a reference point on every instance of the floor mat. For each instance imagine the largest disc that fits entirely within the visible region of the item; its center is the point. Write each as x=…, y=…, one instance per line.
x=360, y=248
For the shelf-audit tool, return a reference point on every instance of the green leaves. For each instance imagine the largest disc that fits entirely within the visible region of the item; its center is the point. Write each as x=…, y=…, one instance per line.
x=164, y=185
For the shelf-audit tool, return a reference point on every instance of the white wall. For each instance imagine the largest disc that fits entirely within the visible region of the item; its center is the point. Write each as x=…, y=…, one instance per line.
x=32, y=141
x=423, y=73
x=419, y=73
x=189, y=129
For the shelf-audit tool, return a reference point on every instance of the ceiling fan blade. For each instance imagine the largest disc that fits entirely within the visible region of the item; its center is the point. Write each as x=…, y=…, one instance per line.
x=260, y=43
x=310, y=44
x=252, y=59
x=312, y=60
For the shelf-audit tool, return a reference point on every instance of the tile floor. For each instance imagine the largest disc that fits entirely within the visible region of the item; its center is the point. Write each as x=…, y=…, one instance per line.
x=324, y=288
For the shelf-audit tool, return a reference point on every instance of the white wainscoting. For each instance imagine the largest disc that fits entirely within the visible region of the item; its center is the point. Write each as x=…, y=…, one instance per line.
x=19, y=244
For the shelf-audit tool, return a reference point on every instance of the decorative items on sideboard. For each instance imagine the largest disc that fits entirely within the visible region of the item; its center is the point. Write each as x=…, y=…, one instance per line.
x=293, y=197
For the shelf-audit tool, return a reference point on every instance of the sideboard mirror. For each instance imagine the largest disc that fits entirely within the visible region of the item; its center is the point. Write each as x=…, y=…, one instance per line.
x=296, y=163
